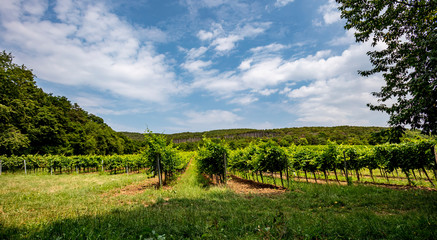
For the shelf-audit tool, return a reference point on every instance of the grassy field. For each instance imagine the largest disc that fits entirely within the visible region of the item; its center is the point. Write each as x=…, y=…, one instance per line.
x=93, y=206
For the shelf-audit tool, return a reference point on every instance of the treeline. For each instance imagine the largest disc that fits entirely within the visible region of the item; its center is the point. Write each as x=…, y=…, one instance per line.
x=302, y=136
x=34, y=122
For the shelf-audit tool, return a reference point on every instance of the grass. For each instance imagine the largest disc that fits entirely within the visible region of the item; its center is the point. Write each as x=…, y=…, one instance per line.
x=88, y=206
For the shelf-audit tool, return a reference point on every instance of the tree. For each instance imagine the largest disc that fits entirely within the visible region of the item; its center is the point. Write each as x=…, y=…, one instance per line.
x=409, y=61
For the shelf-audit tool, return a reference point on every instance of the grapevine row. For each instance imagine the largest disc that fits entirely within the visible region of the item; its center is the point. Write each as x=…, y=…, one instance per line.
x=269, y=157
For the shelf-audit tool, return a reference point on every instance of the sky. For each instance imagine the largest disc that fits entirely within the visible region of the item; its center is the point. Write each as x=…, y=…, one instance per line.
x=196, y=65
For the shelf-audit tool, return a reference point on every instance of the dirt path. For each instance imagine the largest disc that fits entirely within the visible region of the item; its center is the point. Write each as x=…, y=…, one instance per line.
x=243, y=186
x=332, y=181
x=133, y=189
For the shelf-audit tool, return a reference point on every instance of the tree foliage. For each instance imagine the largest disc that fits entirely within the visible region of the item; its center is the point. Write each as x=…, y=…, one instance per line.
x=211, y=157
x=34, y=122
x=159, y=150
x=408, y=62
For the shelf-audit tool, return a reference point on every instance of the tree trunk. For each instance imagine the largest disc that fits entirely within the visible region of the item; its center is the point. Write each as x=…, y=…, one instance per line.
x=428, y=177
x=371, y=175
x=288, y=179
x=326, y=176
x=358, y=175
x=420, y=173
x=282, y=180
x=315, y=178
x=261, y=174
x=306, y=177
x=336, y=177
x=386, y=176
x=274, y=179
x=414, y=174
x=380, y=171
x=408, y=177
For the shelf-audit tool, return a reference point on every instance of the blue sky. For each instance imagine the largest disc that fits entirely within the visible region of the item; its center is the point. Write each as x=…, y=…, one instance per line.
x=195, y=65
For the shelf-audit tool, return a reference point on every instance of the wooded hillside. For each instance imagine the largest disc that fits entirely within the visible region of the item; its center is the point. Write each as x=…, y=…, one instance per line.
x=286, y=136
x=34, y=122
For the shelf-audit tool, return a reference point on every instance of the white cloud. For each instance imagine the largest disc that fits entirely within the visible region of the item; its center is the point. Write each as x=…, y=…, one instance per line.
x=330, y=13
x=196, y=66
x=152, y=34
x=245, y=65
x=337, y=101
x=332, y=92
x=244, y=100
x=266, y=92
x=347, y=39
x=282, y=3
x=224, y=42
x=274, y=47
x=204, y=35
x=88, y=46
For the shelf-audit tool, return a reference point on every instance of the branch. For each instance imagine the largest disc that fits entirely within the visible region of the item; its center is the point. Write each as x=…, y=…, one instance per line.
x=416, y=4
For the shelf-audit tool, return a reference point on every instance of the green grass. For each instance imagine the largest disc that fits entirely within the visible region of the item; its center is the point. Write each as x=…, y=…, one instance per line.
x=88, y=206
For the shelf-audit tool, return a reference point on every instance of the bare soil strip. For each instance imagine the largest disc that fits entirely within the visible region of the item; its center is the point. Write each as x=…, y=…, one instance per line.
x=134, y=189
x=244, y=186
x=332, y=181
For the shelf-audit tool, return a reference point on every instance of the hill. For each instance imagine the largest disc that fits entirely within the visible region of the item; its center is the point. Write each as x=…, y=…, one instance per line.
x=284, y=136
x=34, y=122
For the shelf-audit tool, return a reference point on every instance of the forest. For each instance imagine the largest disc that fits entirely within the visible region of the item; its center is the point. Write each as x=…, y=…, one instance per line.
x=35, y=122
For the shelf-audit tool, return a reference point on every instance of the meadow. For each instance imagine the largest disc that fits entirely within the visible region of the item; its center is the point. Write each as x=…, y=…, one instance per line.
x=129, y=206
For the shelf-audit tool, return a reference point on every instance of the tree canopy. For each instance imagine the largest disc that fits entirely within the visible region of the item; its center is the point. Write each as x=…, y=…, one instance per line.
x=34, y=122
x=408, y=61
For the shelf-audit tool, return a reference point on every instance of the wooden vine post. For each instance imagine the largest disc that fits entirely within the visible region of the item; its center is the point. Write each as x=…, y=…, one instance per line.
x=159, y=171
x=225, y=179
x=345, y=168
x=435, y=168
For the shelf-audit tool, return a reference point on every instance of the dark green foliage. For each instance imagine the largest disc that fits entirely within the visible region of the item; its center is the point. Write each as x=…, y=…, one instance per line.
x=389, y=135
x=271, y=158
x=159, y=150
x=409, y=61
x=241, y=138
x=211, y=157
x=34, y=122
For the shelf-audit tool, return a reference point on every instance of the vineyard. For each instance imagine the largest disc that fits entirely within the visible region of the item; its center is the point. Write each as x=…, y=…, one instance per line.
x=409, y=163
x=53, y=196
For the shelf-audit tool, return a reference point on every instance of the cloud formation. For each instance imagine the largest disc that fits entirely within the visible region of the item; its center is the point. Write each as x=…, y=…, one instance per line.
x=88, y=45
x=222, y=41
x=215, y=55
x=282, y=3
x=330, y=12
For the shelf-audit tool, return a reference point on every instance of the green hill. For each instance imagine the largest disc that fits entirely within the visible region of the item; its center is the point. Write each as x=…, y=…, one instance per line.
x=284, y=136
x=34, y=122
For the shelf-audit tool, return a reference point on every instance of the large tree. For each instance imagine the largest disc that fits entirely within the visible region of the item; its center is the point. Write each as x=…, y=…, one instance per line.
x=408, y=63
